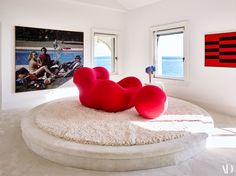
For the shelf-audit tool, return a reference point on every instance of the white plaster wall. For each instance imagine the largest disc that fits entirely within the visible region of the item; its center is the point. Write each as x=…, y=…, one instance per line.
x=213, y=87
x=54, y=14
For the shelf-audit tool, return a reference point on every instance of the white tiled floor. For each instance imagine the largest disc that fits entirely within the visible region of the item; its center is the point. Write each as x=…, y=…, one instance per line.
x=17, y=160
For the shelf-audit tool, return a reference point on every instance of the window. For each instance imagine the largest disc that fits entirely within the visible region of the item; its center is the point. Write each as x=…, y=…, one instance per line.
x=169, y=51
x=104, y=51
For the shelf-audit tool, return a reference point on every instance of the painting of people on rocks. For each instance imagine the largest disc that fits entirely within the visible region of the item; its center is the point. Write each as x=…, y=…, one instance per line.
x=46, y=58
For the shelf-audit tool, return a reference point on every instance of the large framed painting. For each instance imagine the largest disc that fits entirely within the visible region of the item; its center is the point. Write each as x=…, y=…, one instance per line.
x=46, y=58
x=220, y=49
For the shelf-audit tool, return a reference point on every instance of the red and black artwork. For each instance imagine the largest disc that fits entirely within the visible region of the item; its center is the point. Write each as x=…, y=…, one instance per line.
x=220, y=50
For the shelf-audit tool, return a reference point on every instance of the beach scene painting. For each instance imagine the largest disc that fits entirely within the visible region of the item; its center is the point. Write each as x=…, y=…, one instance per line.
x=46, y=58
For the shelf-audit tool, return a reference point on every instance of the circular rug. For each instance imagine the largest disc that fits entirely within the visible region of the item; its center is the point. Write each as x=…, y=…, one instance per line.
x=69, y=120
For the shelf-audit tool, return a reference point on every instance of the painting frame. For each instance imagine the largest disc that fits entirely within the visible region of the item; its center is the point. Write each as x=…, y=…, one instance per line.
x=46, y=58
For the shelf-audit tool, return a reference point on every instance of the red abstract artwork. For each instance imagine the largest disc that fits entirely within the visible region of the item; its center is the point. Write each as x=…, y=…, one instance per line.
x=220, y=50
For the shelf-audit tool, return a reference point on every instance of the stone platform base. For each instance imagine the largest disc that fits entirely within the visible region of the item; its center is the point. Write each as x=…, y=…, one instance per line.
x=39, y=134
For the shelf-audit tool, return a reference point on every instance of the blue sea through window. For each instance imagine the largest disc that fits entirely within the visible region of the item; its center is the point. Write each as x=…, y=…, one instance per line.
x=104, y=61
x=172, y=66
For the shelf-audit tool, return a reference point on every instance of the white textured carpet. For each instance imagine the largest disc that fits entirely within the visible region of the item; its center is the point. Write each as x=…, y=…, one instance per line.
x=70, y=120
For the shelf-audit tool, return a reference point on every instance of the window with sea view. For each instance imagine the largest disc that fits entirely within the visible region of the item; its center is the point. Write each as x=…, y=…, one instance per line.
x=169, y=56
x=105, y=51
x=102, y=56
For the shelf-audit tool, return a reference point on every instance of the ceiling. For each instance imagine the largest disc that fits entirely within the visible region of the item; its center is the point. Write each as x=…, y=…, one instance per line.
x=118, y=4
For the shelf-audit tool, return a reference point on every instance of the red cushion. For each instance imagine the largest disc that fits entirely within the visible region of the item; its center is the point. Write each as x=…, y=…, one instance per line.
x=97, y=91
x=151, y=102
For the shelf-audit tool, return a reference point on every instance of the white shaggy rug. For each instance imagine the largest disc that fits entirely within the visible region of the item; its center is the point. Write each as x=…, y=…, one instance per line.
x=68, y=119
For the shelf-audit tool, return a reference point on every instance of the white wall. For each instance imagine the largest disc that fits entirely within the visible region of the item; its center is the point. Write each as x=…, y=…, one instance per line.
x=0, y=68
x=54, y=14
x=213, y=87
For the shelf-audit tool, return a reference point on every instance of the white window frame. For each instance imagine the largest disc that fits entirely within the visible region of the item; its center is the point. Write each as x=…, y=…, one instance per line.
x=110, y=33
x=168, y=28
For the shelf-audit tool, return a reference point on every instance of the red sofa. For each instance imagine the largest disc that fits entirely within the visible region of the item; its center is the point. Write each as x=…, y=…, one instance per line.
x=98, y=92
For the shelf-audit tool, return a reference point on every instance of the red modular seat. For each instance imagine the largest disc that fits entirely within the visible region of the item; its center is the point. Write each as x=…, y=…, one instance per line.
x=151, y=102
x=98, y=92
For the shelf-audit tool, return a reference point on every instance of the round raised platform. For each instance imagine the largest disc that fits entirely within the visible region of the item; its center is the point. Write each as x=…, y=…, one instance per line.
x=66, y=133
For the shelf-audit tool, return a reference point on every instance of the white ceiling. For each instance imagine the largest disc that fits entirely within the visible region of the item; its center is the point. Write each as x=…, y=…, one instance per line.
x=118, y=4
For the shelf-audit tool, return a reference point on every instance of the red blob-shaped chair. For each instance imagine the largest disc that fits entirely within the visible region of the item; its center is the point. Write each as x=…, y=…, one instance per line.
x=98, y=92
